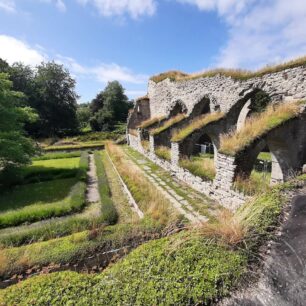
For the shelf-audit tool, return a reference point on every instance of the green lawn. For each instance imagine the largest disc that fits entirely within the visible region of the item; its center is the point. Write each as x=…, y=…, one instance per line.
x=44, y=170
x=38, y=193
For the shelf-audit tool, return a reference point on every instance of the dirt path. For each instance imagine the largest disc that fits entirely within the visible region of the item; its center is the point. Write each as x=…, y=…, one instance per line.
x=193, y=205
x=92, y=193
x=283, y=278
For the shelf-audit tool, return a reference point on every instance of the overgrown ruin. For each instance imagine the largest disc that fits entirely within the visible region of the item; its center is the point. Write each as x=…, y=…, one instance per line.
x=189, y=115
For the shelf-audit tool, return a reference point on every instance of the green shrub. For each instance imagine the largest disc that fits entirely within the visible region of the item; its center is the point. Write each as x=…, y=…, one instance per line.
x=180, y=270
x=108, y=210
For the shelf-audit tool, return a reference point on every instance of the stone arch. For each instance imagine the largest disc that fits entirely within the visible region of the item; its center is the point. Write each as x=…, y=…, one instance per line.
x=201, y=107
x=287, y=146
x=178, y=107
x=254, y=101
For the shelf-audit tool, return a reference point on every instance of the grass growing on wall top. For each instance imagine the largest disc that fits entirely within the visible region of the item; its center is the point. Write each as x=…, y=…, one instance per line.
x=196, y=124
x=257, y=126
x=238, y=74
x=147, y=123
x=167, y=124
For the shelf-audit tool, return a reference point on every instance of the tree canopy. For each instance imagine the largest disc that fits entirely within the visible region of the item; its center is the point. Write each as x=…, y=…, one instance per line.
x=109, y=107
x=15, y=148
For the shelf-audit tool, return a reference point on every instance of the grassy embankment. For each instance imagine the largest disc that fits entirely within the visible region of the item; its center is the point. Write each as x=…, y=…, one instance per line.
x=196, y=266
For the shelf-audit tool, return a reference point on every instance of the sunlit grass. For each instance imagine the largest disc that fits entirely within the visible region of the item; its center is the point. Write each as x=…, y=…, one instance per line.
x=163, y=152
x=257, y=125
x=196, y=124
x=147, y=123
x=167, y=124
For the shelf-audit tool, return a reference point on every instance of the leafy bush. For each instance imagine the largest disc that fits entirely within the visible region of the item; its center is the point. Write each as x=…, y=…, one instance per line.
x=109, y=212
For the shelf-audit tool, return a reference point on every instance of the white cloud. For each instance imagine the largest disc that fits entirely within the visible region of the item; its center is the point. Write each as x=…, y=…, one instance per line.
x=14, y=50
x=134, y=8
x=103, y=72
x=8, y=6
x=260, y=32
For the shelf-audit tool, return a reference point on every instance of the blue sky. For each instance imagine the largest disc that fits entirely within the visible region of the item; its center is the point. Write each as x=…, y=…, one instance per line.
x=130, y=40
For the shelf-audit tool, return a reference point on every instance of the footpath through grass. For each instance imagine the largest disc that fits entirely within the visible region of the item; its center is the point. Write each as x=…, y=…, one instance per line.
x=193, y=267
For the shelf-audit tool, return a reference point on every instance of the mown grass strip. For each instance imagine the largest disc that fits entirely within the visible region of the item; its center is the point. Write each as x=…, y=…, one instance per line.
x=237, y=74
x=74, y=147
x=109, y=212
x=258, y=125
x=57, y=155
x=195, y=125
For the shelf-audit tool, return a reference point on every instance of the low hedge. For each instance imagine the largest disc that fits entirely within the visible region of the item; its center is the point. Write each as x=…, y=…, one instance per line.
x=73, y=203
x=108, y=210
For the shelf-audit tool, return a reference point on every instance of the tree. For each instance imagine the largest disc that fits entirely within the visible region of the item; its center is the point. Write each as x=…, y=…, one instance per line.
x=55, y=100
x=83, y=115
x=4, y=66
x=109, y=107
x=15, y=148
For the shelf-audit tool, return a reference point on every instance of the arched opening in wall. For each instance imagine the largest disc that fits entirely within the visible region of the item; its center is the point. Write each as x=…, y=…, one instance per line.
x=255, y=171
x=256, y=102
x=201, y=162
x=201, y=108
x=178, y=108
x=145, y=140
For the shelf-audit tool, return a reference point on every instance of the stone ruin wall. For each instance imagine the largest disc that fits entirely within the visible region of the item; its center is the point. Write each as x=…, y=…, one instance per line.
x=223, y=93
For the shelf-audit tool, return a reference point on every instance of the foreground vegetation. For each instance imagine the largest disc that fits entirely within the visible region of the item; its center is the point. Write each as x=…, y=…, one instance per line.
x=192, y=267
x=163, y=152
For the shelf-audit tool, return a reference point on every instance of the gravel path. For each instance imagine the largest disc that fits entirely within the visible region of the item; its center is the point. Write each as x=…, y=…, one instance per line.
x=92, y=193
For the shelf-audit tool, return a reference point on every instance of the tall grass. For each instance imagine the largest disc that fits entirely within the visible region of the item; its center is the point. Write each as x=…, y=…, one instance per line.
x=258, y=125
x=199, y=166
x=163, y=152
x=167, y=124
x=108, y=210
x=147, y=123
x=147, y=196
x=146, y=145
x=196, y=124
x=238, y=74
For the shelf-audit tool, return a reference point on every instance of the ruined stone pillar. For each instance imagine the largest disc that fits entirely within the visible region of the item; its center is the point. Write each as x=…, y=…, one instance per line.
x=152, y=150
x=175, y=153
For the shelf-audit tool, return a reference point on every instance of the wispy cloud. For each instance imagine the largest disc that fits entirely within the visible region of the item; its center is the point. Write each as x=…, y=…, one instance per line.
x=103, y=72
x=260, y=32
x=8, y=6
x=134, y=8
